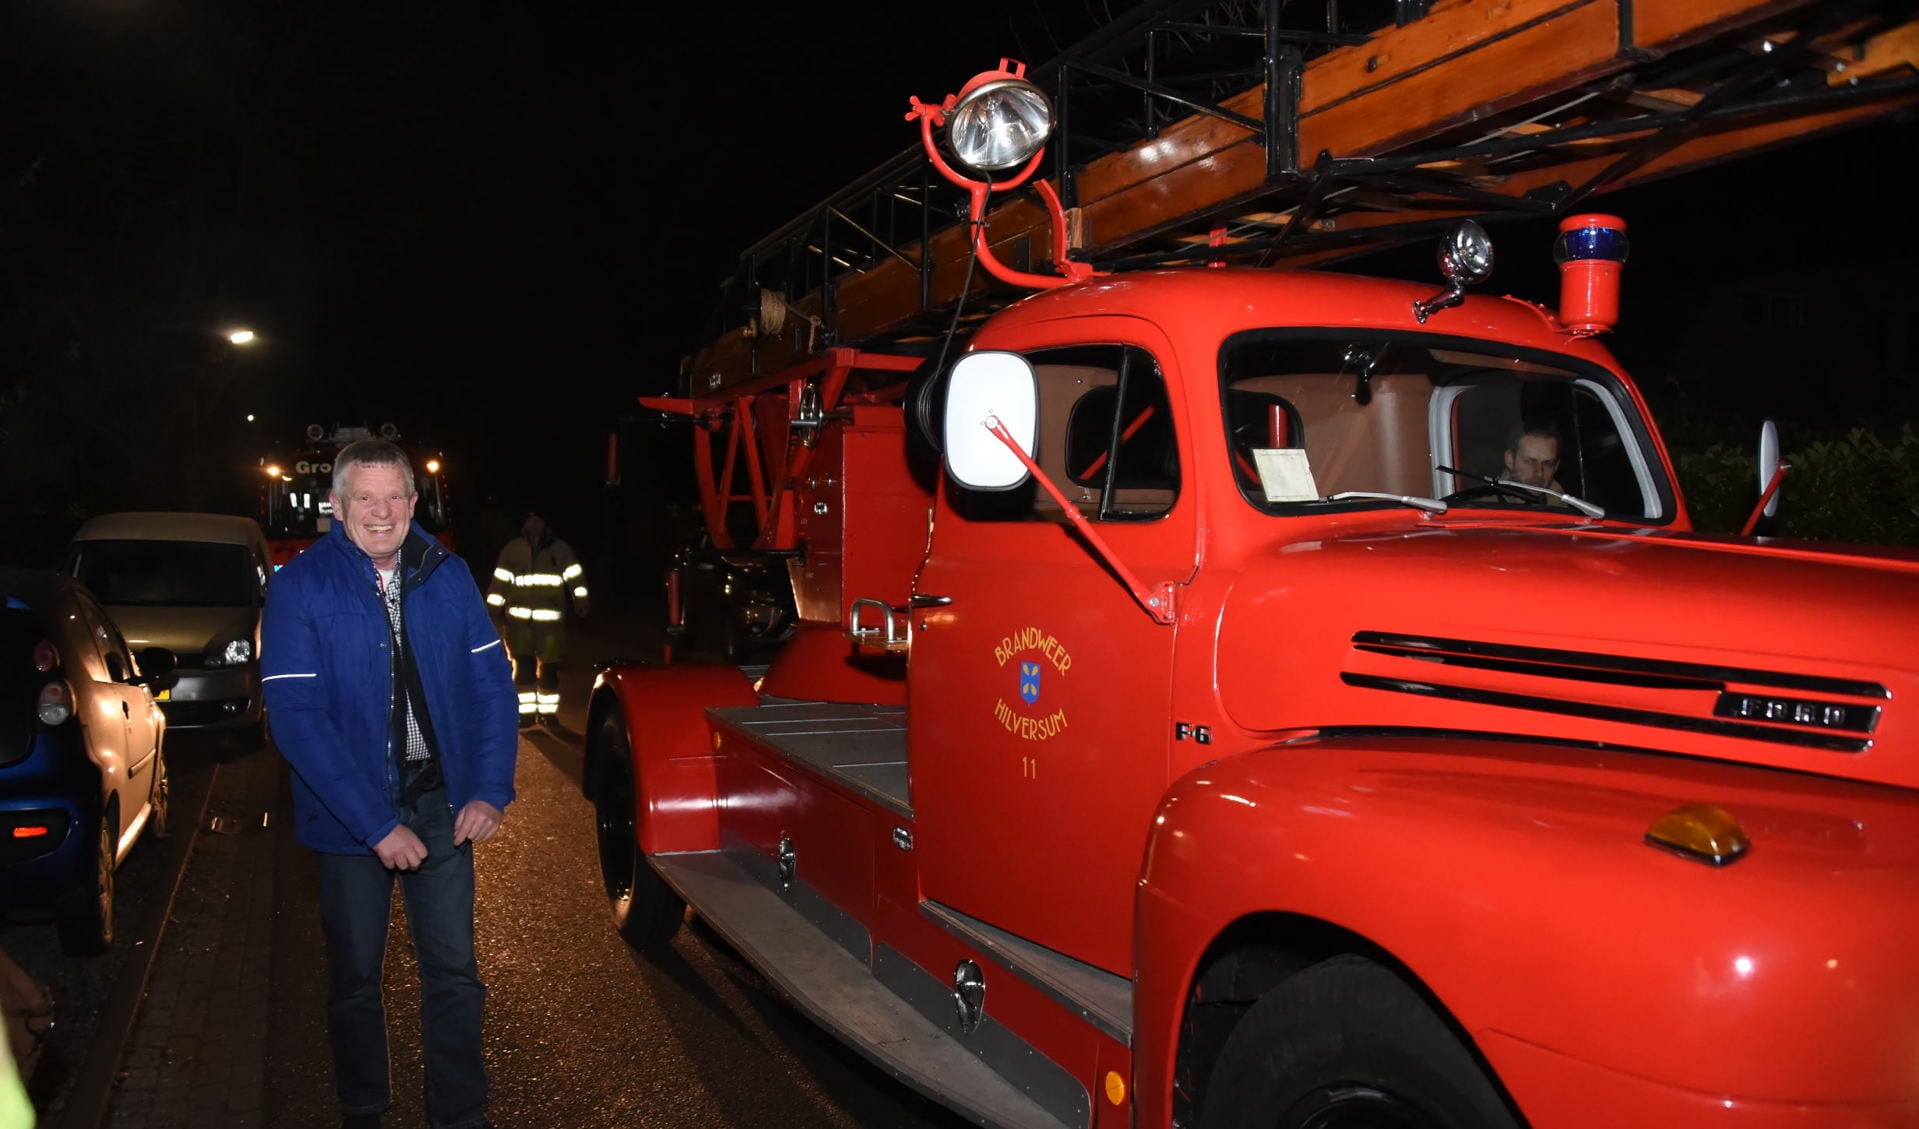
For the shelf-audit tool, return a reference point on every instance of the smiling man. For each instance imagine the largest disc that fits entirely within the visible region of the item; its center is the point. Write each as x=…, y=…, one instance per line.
x=392, y=701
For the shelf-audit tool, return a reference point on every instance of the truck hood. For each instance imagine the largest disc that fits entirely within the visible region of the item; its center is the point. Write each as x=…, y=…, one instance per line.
x=1799, y=657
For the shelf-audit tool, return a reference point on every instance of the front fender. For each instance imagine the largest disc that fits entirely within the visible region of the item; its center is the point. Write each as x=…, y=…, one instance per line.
x=1514, y=882
x=671, y=746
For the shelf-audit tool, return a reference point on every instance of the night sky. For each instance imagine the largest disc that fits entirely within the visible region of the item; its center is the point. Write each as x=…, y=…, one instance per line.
x=495, y=223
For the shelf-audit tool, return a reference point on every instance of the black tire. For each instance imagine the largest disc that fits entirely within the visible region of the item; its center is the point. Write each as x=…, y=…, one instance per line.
x=1347, y=1045
x=84, y=917
x=160, y=798
x=646, y=911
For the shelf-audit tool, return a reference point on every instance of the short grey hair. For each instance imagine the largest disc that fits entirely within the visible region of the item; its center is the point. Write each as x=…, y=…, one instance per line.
x=371, y=452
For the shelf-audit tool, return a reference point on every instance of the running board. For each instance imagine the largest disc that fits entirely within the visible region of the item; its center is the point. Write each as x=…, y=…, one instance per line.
x=852, y=999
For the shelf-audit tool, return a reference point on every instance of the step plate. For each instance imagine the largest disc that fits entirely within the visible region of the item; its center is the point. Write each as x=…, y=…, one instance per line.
x=842, y=994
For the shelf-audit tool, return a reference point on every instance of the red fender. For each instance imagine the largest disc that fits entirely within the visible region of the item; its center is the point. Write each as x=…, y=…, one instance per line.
x=664, y=708
x=1606, y=982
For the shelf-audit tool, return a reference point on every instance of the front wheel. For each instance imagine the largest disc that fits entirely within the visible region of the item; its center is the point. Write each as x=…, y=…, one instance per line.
x=1347, y=1045
x=645, y=909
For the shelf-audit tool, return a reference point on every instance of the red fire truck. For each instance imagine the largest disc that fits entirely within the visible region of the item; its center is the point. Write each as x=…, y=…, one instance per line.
x=296, y=485
x=1231, y=696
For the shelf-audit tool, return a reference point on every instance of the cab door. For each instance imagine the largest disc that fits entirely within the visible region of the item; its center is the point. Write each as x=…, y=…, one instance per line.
x=1039, y=689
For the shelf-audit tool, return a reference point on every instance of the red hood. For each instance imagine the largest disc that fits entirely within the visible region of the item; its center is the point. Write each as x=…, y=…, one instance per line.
x=1799, y=656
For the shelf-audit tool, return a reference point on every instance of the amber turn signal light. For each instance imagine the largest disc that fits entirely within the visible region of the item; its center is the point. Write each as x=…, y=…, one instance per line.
x=1703, y=832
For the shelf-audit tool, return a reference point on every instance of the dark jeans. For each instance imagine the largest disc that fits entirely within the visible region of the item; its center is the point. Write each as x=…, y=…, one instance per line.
x=356, y=902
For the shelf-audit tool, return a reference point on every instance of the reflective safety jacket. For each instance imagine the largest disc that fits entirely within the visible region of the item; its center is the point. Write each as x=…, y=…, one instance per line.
x=532, y=582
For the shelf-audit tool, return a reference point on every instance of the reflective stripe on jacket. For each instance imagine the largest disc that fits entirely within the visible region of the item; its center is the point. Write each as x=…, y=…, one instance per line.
x=533, y=583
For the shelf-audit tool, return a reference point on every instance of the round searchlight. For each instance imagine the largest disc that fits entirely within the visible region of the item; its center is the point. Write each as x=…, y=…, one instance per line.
x=1466, y=255
x=999, y=123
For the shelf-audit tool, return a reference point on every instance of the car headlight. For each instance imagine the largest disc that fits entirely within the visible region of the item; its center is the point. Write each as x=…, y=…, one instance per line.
x=236, y=651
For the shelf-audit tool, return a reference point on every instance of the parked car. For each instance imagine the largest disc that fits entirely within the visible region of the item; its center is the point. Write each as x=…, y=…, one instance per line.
x=194, y=584
x=82, y=772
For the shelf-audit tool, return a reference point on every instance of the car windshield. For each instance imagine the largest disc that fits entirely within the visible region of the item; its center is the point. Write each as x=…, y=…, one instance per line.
x=1315, y=415
x=163, y=574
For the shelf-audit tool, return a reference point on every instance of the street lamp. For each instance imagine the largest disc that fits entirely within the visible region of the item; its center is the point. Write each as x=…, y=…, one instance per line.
x=242, y=337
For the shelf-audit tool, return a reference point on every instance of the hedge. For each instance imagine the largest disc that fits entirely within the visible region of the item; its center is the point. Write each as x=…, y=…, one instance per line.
x=1860, y=488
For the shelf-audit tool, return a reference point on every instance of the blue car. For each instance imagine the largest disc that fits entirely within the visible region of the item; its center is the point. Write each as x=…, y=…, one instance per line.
x=82, y=773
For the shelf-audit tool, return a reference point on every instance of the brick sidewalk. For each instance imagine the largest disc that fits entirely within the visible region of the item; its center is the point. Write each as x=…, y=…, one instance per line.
x=196, y=1055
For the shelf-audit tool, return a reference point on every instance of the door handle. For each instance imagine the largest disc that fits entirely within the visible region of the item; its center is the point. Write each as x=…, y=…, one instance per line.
x=922, y=600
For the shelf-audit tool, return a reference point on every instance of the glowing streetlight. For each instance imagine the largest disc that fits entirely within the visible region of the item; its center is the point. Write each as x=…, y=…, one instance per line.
x=249, y=417
x=242, y=337
x=433, y=466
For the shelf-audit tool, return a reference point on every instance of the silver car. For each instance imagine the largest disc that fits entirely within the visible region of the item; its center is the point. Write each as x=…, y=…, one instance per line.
x=194, y=584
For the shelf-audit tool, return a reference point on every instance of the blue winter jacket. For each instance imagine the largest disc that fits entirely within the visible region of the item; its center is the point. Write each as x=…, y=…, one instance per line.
x=327, y=670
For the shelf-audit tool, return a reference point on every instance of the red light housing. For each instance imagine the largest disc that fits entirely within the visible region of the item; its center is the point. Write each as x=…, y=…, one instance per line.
x=45, y=657
x=1590, y=251
x=56, y=703
x=34, y=831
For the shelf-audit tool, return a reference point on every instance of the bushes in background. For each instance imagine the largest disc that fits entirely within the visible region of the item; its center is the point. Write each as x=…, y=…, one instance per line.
x=1860, y=487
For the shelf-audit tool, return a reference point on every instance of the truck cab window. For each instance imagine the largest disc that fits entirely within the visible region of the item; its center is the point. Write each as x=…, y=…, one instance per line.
x=1106, y=438
x=1383, y=412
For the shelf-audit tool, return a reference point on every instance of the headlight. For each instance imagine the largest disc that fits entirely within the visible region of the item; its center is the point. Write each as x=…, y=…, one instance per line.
x=999, y=124
x=233, y=654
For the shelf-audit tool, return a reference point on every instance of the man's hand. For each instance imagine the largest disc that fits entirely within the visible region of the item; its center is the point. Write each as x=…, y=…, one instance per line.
x=401, y=849
x=477, y=821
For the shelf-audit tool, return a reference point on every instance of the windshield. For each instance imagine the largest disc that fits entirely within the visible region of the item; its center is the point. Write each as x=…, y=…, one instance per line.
x=1317, y=413
x=164, y=574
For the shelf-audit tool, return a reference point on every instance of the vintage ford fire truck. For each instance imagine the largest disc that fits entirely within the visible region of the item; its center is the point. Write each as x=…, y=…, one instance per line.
x=1238, y=696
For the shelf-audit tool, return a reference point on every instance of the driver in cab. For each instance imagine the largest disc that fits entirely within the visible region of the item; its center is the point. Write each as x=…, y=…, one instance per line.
x=1532, y=455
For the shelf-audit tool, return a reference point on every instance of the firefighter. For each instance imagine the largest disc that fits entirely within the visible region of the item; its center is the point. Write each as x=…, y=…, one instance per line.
x=531, y=583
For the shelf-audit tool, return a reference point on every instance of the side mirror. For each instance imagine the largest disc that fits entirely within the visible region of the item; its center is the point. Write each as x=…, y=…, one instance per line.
x=1772, y=472
x=989, y=385
x=1769, y=465
x=157, y=665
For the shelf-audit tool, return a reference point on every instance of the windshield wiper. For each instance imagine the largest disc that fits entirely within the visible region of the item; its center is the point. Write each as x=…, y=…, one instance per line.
x=1430, y=505
x=1580, y=504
